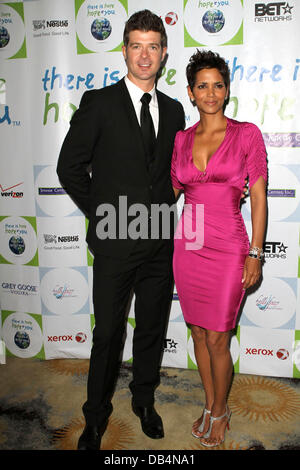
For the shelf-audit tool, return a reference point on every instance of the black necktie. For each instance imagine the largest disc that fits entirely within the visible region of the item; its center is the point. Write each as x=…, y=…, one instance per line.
x=147, y=128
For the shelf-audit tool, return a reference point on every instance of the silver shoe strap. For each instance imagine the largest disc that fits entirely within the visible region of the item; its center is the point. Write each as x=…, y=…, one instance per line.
x=205, y=412
x=220, y=417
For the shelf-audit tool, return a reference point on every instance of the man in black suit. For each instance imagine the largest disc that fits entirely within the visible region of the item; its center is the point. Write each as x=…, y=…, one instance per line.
x=129, y=152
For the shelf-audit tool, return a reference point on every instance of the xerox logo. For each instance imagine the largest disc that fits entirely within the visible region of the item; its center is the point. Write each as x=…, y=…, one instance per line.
x=64, y=338
x=281, y=354
x=259, y=352
x=79, y=337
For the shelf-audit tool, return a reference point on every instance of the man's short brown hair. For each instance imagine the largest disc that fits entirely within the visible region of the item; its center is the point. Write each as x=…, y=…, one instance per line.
x=145, y=20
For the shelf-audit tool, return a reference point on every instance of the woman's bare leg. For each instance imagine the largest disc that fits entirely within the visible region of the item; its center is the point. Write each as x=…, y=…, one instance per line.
x=203, y=362
x=221, y=370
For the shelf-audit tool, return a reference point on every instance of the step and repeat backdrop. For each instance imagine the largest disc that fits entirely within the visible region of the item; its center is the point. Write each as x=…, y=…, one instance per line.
x=53, y=51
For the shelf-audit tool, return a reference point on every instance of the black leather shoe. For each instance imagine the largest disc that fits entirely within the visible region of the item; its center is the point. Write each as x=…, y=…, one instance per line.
x=90, y=439
x=151, y=422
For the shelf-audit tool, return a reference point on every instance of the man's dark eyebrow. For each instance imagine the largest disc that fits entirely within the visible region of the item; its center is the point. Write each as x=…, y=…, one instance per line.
x=150, y=43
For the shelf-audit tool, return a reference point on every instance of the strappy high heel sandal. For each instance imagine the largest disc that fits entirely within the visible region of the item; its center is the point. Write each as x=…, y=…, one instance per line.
x=201, y=426
x=212, y=419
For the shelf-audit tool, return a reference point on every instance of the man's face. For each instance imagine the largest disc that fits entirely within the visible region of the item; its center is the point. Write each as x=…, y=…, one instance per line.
x=143, y=56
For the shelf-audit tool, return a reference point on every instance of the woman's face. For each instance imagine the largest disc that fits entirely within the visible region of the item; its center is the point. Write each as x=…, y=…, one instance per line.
x=209, y=91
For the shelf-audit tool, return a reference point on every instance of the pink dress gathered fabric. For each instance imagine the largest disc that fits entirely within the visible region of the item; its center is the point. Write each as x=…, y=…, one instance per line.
x=211, y=242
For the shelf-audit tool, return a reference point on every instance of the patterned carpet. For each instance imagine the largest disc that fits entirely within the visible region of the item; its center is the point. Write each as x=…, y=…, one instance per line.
x=40, y=409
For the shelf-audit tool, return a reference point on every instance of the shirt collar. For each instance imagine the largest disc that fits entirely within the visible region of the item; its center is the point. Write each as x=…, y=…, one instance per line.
x=136, y=93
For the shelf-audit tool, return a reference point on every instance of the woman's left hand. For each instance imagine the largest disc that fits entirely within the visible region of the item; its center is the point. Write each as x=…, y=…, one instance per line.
x=252, y=272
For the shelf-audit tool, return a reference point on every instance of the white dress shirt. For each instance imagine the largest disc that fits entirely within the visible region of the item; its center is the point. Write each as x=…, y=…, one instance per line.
x=135, y=94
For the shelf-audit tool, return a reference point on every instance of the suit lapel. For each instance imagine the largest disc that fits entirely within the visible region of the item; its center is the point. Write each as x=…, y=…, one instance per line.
x=128, y=105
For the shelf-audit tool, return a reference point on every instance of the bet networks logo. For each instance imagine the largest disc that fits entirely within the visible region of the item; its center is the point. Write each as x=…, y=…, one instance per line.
x=274, y=11
x=170, y=346
x=275, y=250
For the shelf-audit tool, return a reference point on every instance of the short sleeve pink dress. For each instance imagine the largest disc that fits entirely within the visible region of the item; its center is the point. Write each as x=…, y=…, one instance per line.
x=211, y=242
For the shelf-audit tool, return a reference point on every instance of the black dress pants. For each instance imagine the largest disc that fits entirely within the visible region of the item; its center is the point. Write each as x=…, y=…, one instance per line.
x=148, y=271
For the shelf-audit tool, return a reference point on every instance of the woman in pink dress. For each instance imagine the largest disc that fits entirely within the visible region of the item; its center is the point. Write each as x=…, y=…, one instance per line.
x=210, y=163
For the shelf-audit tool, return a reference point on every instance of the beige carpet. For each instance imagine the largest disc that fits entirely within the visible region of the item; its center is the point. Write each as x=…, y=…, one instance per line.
x=40, y=409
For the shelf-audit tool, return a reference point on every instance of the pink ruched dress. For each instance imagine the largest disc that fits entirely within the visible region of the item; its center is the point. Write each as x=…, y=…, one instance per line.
x=211, y=242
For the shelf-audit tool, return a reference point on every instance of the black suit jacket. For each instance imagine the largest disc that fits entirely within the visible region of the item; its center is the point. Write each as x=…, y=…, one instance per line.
x=105, y=137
